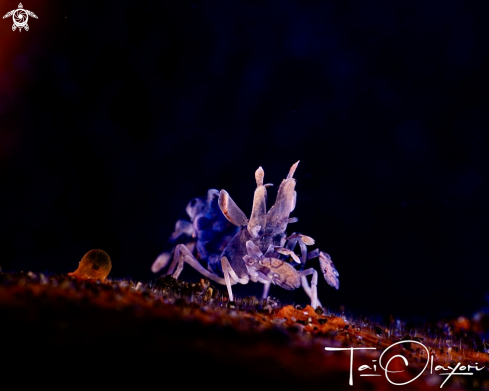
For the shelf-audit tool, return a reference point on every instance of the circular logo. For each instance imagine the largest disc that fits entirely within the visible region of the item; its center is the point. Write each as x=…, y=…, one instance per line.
x=20, y=17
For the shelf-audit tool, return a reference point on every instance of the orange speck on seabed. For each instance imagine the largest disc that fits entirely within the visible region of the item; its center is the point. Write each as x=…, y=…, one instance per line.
x=95, y=264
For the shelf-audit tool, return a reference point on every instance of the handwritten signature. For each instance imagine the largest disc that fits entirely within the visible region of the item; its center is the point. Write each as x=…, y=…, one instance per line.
x=444, y=371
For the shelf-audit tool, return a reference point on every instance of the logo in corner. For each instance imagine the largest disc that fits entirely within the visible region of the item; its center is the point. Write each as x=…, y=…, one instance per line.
x=20, y=17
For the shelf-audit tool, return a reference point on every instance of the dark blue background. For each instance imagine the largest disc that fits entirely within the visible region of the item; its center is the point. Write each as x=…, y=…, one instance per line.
x=113, y=115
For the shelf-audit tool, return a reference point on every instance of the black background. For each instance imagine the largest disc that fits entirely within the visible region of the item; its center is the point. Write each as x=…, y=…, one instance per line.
x=113, y=115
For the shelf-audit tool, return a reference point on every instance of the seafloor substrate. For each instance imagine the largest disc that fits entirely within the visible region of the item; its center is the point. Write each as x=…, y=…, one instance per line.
x=59, y=330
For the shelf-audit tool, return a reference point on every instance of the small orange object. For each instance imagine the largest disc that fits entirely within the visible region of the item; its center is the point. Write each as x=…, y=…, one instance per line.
x=95, y=264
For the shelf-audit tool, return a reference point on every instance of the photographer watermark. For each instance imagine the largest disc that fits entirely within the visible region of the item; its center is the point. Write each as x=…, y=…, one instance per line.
x=371, y=370
x=20, y=16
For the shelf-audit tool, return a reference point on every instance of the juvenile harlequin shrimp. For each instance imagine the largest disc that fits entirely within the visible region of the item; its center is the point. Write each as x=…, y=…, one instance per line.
x=221, y=243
